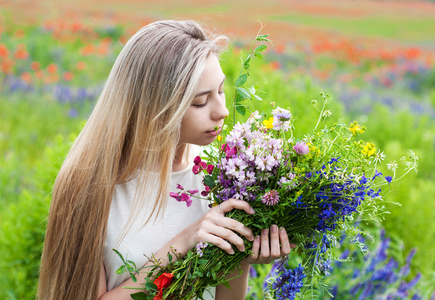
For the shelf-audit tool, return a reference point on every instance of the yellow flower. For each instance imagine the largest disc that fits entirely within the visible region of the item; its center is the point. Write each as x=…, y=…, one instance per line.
x=355, y=128
x=219, y=138
x=369, y=149
x=268, y=123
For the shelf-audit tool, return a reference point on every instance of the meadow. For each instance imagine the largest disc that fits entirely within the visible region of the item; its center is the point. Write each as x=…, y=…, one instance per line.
x=53, y=68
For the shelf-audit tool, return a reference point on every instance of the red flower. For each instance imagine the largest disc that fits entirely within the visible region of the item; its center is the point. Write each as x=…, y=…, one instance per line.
x=163, y=281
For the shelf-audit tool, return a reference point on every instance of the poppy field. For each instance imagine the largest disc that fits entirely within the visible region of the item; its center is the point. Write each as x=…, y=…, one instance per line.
x=375, y=59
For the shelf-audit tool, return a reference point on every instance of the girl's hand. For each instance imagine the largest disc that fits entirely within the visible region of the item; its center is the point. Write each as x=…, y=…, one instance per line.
x=219, y=230
x=266, y=249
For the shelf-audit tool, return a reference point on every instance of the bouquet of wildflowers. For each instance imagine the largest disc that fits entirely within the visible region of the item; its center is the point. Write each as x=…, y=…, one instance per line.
x=316, y=186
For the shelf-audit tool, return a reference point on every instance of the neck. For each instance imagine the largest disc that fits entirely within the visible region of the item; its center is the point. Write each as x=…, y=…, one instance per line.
x=180, y=161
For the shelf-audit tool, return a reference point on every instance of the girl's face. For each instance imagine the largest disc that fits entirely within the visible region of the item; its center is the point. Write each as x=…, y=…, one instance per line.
x=208, y=110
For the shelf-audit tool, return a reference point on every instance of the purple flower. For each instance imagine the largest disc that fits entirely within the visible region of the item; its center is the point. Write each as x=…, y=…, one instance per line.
x=389, y=179
x=199, y=247
x=270, y=198
x=195, y=169
x=301, y=148
x=210, y=169
x=183, y=197
x=197, y=160
x=179, y=186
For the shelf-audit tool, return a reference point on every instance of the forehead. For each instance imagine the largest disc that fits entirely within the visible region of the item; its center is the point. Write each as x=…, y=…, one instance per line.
x=212, y=74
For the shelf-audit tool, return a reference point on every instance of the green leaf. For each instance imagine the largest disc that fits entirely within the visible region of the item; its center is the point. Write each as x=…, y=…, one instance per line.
x=260, y=48
x=120, y=255
x=170, y=257
x=243, y=93
x=241, y=80
x=151, y=286
x=133, y=277
x=121, y=269
x=139, y=296
x=256, y=97
x=251, y=90
x=132, y=263
x=246, y=63
x=259, y=55
x=208, y=181
x=241, y=109
x=262, y=37
x=226, y=284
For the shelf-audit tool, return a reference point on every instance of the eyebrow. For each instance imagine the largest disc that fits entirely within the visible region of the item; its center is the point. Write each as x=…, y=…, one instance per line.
x=207, y=92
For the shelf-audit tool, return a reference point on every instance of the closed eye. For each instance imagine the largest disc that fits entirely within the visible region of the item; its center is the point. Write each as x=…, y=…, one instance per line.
x=200, y=105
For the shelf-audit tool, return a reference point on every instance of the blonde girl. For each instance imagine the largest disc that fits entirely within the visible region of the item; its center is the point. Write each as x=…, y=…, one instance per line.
x=163, y=95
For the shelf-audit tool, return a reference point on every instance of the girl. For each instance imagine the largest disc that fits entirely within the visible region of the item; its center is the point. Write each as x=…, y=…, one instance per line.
x=164, y=94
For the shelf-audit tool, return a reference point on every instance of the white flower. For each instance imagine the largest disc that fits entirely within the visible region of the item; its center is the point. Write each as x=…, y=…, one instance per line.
x=392, y=166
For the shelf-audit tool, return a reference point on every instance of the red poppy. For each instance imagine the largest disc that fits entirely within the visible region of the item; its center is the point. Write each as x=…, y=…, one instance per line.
x=163, y=281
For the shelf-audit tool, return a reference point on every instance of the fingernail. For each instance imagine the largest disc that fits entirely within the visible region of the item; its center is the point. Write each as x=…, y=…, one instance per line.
x=242, y=249
x=282, y=229
x=257, y=238
x=252, y=211
x=274, y=228
x=251, y=238
x=231, y=251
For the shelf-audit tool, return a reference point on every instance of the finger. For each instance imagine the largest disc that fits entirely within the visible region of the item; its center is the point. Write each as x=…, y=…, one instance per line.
x=229, y=236
x=219, y=242
x=255, y=248
x=230, y=204
x=275, y=248
x=236, y=226
x=264, y=248
x=285, y=244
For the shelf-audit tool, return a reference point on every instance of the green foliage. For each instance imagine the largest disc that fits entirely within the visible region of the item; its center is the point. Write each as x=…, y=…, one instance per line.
x=22, y=226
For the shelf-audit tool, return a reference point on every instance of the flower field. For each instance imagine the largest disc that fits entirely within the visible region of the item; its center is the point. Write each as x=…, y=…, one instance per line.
x=375, y=59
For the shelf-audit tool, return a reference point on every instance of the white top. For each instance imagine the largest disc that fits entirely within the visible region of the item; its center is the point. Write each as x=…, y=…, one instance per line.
x=151, y=238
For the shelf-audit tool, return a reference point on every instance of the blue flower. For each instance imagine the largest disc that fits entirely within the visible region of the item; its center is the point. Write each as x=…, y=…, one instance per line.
x=289, y=283
x=376, y=174
x=389, y=179
x=334, y=160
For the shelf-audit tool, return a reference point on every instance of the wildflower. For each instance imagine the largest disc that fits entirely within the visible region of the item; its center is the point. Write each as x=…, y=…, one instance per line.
x=379, y=157
x=179, y=186
x=252, y=272
x=392, y=166
x=355, y=128
x=281, y=119
x=183, y=197
x=253, y=117
x=197, y=160
x=68, y=76
x=268, y=123
x=210, y=168
x=199, y=247
x=195, y=169
x=35, y=66
x=301, y=148
x=289, y=283
x=327, y=113
x=388, y=179
x=162, y=282
x=270, y=198
x=368, y=149
x=52, y=68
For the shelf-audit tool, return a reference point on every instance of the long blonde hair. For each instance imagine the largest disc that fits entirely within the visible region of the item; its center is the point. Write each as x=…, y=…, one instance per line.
x=133, y=129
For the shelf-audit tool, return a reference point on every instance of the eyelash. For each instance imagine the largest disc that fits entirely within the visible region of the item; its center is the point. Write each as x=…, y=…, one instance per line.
x=206, y=102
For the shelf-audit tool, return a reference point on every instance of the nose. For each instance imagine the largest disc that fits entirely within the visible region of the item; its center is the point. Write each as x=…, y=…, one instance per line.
x=220, y=111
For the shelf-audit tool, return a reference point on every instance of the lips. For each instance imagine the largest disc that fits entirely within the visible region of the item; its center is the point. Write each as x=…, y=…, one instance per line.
x=214, y=132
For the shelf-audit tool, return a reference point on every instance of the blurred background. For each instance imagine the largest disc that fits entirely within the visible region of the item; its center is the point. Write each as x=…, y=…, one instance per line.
x=375, y=58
